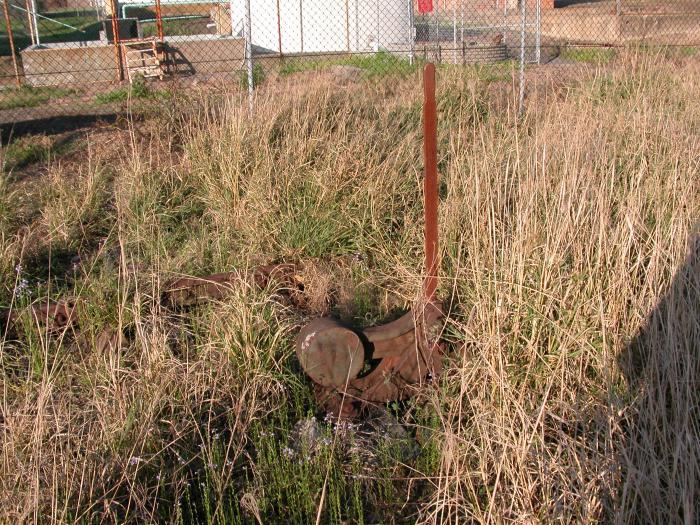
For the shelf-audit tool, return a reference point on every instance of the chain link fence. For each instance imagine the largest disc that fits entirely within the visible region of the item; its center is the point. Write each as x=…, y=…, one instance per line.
x=94, y=55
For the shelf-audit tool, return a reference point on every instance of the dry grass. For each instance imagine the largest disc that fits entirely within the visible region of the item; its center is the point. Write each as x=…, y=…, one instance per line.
x=570, y=267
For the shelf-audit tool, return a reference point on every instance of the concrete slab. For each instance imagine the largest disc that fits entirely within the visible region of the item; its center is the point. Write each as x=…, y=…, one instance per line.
x=95, y=61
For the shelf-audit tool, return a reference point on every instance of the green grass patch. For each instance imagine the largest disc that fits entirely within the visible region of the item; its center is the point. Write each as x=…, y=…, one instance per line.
x=139, y=90
x=83, y=27
x=497, y=72
x=18, y=155
x=258, y=76
x=372, y=66
x=687, y=51
x=595, y=55
x=192, y=25
x=28, y=96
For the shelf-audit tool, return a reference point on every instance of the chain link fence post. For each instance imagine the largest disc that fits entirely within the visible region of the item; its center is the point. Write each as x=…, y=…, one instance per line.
x=411, y=33
x=523, y=20
x=538, y=32
x=248, y=35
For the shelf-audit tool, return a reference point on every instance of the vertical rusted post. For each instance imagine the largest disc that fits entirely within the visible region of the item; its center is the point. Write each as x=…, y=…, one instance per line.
x=11, y=38
x=430, y=182
x=115, y=37
x=279, y=28
x=159, y=21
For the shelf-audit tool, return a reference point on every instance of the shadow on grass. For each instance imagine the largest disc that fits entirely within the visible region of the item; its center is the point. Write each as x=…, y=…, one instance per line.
x=660, y=460
x=53, y=125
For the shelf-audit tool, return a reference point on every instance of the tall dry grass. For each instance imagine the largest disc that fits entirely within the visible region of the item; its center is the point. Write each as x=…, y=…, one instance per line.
x=570, y=270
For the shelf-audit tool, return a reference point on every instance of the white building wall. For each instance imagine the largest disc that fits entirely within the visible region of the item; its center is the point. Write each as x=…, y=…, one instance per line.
x=316, y=26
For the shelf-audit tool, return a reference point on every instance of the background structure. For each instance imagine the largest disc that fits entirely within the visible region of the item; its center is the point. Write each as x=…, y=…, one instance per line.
x=59, y=56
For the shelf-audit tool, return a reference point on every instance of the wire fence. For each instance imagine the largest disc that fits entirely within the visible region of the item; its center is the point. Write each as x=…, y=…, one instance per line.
x=78, y=55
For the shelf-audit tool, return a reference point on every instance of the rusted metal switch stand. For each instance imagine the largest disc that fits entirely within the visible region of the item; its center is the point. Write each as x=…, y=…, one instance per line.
x=351, y=367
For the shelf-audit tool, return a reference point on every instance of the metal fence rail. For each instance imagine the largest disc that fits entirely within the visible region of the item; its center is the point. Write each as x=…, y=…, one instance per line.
x=77, y=55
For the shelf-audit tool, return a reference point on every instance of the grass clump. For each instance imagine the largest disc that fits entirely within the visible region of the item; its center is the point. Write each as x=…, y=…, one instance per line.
x=29, y=96
x=570, y=269
x=259, y=76
x=373, y=65
x=138, y=90
x=592, y=55
x=80, y=25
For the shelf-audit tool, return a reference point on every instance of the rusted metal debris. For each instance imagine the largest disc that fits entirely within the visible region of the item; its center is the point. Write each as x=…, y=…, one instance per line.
x=51, y=316
x=351, y=368
x=55, y=316
x=189, y=291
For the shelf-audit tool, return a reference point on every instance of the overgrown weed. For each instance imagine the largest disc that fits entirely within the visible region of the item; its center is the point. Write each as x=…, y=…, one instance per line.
x=571, y=378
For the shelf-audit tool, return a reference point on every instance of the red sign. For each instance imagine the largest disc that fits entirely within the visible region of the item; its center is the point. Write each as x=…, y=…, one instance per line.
x=425, y=6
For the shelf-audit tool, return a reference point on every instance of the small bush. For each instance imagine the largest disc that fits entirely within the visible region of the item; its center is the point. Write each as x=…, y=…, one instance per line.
x=258, y=76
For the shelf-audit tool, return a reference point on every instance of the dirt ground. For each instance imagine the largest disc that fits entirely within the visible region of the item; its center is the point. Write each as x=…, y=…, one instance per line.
x=631, y=6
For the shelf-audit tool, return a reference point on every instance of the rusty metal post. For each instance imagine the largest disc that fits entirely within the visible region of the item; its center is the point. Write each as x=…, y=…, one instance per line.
x=11, y=38
x=115, y=37
x=405, y=354
x=159, y=21
x=430, y=183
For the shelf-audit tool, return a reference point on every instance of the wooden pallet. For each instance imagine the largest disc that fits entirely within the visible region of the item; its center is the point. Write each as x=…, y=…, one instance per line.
x=143, y=57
